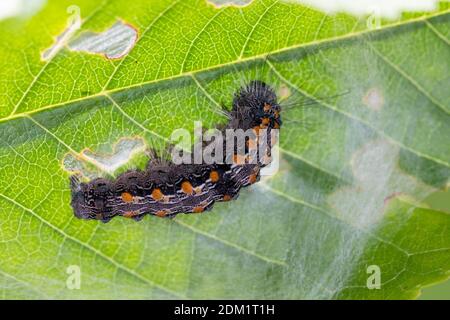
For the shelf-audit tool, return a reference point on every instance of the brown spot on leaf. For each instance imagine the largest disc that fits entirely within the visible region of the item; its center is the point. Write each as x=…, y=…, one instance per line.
x=374, y=99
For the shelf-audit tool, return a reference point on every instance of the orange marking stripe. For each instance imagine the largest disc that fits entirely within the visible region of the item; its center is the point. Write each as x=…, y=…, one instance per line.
x=127, y=197
x=157, y=194
x=129, y=214
x=198, y=209
x=161, y=213
x=252, y=178
x=265, y=120
x=186, y=187
x=214, y=176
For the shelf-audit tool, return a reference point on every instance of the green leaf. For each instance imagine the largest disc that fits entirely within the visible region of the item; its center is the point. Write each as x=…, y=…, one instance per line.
x=355, y=167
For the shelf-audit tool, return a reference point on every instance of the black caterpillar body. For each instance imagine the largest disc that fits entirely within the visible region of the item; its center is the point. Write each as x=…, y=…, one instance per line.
x=166, y=190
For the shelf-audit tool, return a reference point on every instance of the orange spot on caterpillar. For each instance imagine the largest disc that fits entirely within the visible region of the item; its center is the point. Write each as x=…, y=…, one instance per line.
x=161, y=213
x=214, y=176
x=127, y=197
x=195, y=196
x=198, y=209
x=157, y=194
x=265, y=121
x=130, y=214
x=186, y=187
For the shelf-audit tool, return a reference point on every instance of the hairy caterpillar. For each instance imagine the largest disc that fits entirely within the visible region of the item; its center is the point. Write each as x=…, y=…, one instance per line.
x=165, y=190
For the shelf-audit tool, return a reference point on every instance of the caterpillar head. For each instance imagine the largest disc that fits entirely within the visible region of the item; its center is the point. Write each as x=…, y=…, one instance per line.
x=256, y=105
x=89, y=200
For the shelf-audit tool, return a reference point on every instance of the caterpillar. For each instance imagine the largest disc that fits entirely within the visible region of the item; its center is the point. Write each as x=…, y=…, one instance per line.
x=165, y=190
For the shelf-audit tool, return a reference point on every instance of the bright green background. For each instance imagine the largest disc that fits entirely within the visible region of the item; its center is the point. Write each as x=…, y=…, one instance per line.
x=353, y=178
x=439, y=291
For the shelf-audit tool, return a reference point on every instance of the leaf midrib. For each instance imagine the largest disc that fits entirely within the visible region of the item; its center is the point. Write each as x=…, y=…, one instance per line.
x=104, y=92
